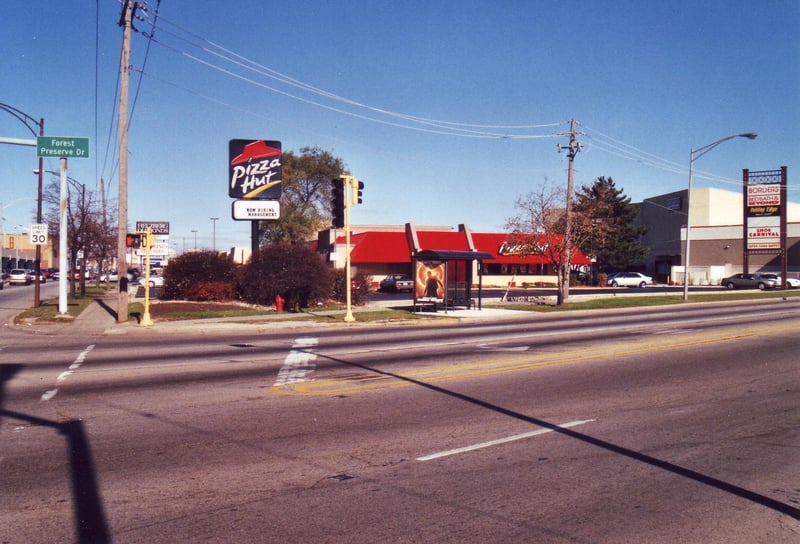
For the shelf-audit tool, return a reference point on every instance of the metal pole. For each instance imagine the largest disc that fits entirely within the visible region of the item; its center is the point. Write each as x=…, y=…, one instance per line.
x=214, y=234
x=38, y=266
x=688, y=227
x=62, y=242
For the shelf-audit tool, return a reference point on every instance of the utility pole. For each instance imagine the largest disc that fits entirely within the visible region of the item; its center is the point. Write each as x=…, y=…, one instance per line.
x=124, y=68
x=566, y=259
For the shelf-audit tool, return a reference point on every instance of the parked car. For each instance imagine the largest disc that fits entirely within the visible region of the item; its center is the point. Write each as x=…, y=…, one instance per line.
x=156, y=280
x=628, y=279
x=750, y=281
x=32, y=274
x=18, y=276
x=3, y=280
x=791, y=283
x=111, y=275
x=397, y=282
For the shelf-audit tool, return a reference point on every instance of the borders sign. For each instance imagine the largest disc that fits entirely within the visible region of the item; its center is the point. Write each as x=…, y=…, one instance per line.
x=254, y=169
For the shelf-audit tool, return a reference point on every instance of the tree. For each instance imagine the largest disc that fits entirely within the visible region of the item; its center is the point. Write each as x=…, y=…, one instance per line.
x=305, y=198
x=606, y=219
x=539, y=227
x=88, y=230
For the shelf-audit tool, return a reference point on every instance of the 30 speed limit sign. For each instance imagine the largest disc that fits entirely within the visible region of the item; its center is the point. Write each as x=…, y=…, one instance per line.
x=38, y=234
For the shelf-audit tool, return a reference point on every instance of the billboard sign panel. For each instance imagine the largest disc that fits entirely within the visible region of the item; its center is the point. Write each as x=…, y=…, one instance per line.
x=154, y=227
x=254, y=169
x=255, y=210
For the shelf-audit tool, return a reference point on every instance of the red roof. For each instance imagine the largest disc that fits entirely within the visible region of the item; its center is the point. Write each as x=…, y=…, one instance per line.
x=392, y=247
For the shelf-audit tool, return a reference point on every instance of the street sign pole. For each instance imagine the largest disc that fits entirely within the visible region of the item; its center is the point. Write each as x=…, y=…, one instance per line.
x=62, y=243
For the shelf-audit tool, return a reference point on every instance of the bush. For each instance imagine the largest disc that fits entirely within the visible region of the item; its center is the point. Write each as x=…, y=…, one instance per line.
x=196, y=275
x=361, y=286
x=296, y=272
x=212, y=291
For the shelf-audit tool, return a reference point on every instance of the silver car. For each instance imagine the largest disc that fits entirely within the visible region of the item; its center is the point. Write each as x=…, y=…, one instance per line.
x=751, y=281
x=628, y=279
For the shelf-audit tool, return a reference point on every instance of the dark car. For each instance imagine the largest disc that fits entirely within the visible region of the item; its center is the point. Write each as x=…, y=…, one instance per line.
x=397, y=282
x=750, y=281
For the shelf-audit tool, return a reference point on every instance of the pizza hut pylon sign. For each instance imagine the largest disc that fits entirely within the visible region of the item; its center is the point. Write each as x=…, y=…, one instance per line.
x=255, y=169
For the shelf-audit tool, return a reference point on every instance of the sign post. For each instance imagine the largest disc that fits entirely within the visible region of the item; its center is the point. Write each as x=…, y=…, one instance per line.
x=62, y=147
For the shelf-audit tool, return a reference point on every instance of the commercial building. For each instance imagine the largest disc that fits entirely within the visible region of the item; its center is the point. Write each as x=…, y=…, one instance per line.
x=378, y=250
x=716, y=235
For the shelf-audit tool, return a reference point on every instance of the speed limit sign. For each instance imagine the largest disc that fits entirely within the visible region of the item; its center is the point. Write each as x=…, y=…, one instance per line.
x=38, y=234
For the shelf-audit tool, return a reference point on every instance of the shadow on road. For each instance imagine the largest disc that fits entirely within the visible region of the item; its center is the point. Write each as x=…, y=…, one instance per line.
x=619, y=450
x=90, y=519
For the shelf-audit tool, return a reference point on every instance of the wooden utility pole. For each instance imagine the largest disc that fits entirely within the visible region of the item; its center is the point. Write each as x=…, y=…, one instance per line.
x=124, y=68
x=566, y=259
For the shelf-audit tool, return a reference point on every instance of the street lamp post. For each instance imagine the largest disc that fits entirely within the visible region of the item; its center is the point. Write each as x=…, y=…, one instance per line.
x=195, y=238
x=28, y=121
x=695, y=154
x=214, y=234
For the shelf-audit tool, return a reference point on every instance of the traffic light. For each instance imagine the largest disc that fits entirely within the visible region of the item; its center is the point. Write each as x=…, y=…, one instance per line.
x=337, y=202
x=133, y=240
x=358, y=186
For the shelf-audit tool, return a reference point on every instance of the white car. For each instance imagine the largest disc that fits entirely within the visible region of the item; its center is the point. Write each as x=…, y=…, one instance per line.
x=156, y=280
x=791, y=283
x=628, y=279
x=110, y=276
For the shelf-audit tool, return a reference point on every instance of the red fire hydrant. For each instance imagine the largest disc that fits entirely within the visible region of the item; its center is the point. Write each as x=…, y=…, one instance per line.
x=279, y=303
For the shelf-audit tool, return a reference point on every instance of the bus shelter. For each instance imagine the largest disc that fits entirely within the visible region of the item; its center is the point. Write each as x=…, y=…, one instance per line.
x=445, y=278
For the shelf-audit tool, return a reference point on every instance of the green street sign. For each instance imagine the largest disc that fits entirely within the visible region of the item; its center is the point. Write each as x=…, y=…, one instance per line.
x=62, y=146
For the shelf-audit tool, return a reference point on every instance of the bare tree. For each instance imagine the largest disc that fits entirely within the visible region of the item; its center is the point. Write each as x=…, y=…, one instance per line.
x=90, y=233
x=539, y=225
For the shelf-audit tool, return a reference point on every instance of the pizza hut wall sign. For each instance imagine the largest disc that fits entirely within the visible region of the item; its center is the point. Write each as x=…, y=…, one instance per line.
x=255, y=169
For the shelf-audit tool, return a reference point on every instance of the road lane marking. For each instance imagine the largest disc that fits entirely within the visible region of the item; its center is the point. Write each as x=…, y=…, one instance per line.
x=299, y=362
x=437, y=373
x=76, y=364
x=499, y=441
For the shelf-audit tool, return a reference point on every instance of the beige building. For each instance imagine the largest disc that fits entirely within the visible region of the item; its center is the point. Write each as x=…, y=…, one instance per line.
x=717, y=245
x=18, y=252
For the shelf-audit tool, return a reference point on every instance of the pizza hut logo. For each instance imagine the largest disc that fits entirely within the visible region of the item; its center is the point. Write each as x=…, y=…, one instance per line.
x=255, y=169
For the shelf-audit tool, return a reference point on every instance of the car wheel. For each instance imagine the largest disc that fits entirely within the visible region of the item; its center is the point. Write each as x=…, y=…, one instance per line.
x=641, y=285
x=730, y=285
x=762, y=286
x=614, y=284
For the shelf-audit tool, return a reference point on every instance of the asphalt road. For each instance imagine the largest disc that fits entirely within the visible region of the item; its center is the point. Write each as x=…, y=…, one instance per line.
x=663, y=425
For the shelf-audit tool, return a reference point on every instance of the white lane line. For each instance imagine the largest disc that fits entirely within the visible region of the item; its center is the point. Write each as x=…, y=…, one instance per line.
x=498, y=441
x=67, y=373
x=299, y=362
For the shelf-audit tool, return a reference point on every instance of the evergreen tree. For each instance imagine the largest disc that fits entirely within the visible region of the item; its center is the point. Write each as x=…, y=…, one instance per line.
x=605, y=226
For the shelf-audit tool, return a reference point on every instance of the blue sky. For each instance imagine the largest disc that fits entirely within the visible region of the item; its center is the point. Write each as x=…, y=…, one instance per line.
x=422, y=100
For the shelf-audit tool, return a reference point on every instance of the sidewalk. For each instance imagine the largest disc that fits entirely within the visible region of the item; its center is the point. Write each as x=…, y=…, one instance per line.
x=100, y=318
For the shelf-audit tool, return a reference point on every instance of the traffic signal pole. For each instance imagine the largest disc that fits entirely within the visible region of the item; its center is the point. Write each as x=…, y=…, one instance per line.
x=147, y=238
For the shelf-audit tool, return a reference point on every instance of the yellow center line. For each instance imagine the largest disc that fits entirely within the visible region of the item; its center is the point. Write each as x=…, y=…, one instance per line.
x=366, y=382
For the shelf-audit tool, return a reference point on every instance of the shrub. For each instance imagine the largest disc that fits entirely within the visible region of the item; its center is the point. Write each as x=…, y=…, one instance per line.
x=361, y=286
x=190, y=274
x=296, y=272
x=212, y=291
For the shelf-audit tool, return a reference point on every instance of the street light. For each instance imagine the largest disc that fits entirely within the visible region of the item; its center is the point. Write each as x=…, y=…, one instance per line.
x=214, y=234
x=695, y=154
x=195, y=238
x=30, y=123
